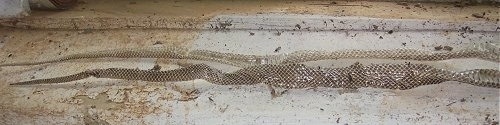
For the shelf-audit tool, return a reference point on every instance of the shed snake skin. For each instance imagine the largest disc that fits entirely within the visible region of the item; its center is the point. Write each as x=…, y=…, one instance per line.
x=285, y=71
x=240, y=60
x=295, y=76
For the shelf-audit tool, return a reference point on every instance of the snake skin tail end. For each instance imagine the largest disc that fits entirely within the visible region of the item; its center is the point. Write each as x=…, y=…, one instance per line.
x=68, y=78
x=21, y=83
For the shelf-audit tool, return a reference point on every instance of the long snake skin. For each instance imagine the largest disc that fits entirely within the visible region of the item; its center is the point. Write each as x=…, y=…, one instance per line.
x=285, y=71
x=295, y=76
x=173, y=53
x=240, y=60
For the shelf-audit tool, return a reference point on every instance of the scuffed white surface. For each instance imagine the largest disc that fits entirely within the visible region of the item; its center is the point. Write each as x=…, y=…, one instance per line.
x=14, y=8
x=134, y=102
x=432, y=104
x=280, y=21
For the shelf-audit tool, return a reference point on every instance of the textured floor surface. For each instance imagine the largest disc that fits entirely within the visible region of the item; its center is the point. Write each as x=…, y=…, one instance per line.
x=255, y=28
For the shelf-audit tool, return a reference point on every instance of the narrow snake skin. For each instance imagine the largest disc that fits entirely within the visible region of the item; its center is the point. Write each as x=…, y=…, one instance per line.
x=295, y=76
x=172, y=53
x=240, y=60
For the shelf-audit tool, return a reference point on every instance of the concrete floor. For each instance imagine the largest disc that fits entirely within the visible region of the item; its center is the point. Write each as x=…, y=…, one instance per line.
x=257, y=28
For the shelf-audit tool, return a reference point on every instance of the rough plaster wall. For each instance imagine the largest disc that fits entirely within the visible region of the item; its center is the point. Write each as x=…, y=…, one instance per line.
x=20, y=8
x=198, y=102
x=14, y=8
x=102, y=101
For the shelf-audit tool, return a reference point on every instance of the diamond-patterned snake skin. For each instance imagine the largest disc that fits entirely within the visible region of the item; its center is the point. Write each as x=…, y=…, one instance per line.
x=285, y=71
x=293, y=76
x=485, y=52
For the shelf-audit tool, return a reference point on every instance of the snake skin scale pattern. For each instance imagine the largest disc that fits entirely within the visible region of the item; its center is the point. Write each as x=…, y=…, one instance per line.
x=240, y=60
x=295, y=76
x=285, y=70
